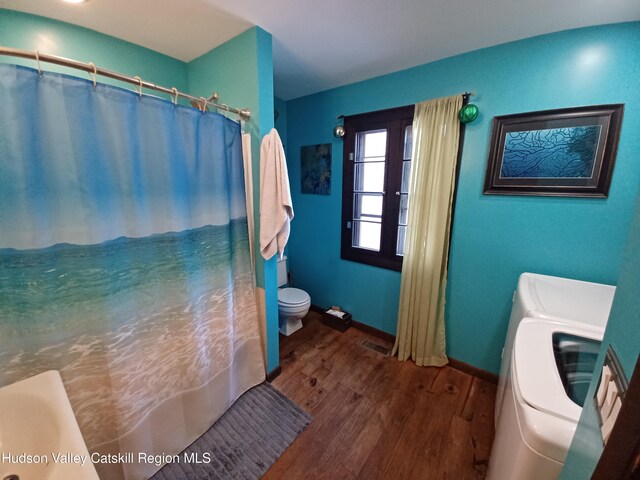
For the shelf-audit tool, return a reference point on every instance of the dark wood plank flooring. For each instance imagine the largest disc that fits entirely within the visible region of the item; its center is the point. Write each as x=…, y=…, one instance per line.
x=377, y=418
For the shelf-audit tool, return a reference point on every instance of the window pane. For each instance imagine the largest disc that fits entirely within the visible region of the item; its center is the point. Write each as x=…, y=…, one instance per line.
x=400, y=244
x=366, y=235
x=377, y=158
x=367, y=207
x=404, y=201
x=369, y=177
x=372, y=145
x=404, y=189
x=406, y=172
x=408, y=142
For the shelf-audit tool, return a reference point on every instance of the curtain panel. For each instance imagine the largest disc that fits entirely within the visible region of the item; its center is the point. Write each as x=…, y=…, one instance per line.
x=421, y=325
x=124, y=261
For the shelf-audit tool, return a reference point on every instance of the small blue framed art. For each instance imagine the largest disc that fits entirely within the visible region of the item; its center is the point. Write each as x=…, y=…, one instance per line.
x=316, y=169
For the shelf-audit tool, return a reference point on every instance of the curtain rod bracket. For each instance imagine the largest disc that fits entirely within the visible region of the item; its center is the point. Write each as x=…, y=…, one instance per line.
x=244, y=114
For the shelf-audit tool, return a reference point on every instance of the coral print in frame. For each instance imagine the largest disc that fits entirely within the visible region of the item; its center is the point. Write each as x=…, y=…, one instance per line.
x=566, y=152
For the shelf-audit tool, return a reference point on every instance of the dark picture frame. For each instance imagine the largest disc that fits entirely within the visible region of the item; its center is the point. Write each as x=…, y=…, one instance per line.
x=566, y=152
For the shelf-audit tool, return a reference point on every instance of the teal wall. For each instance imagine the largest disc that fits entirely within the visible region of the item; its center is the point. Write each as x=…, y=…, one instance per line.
x=265, y=79
x=495, y=238
x=281, y=122
x=241, y=70
x=30, y=32
x=623, y=331
x=623, y=335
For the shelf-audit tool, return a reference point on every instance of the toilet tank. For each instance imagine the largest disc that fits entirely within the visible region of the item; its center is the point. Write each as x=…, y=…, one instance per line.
x=282, y=271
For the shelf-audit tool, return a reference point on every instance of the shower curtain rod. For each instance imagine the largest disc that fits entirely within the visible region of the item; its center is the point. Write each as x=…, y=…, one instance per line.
x=90, y=68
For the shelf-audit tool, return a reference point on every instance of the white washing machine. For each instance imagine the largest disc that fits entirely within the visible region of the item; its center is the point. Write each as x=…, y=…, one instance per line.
x=566, y=301
x=552, y=364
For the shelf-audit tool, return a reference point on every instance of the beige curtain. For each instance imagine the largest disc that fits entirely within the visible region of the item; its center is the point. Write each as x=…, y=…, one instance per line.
x=421, y=330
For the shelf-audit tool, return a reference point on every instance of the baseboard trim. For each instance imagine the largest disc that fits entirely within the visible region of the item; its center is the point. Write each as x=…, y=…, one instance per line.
x=474, y=371
x=273, y=374
x=317, y=308
x=453, y=363
x=362, y=326
x=374, y=331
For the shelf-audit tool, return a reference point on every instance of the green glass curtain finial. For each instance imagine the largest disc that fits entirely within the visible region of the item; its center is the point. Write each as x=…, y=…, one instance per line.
x=468, y=113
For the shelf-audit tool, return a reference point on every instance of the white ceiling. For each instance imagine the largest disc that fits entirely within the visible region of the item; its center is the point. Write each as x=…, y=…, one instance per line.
x=319, y=45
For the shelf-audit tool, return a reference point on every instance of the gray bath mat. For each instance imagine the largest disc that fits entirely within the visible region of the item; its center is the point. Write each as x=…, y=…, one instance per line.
x=245, y=441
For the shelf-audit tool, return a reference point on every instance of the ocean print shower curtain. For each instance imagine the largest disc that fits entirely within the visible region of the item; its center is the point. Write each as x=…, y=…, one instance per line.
x=124, y=261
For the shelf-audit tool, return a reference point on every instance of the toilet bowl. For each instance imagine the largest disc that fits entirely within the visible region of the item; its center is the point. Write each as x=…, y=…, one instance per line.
x=293, y=303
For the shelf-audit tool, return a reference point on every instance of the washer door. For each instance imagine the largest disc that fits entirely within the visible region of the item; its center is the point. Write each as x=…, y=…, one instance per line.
x=539, y=378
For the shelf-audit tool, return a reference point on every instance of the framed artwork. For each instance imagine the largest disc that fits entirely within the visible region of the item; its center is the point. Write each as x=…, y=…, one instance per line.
x=566, y=152
x=316, y=169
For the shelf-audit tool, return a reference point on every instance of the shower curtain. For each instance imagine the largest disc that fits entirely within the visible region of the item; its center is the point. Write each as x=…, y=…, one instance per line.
x=124, y=261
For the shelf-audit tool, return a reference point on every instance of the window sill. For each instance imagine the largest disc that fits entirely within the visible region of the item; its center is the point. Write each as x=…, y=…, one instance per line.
x=371, y=258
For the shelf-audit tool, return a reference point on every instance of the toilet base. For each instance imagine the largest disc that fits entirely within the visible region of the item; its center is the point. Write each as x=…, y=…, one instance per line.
x=291, y=325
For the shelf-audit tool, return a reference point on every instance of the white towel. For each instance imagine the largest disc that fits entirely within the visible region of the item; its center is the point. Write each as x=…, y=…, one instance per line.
x=276, y=208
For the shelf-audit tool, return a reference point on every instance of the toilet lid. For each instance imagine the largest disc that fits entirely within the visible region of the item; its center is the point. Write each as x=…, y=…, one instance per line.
x=292, y=296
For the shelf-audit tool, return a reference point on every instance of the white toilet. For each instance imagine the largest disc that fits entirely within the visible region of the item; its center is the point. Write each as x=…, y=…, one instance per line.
x=293, y=303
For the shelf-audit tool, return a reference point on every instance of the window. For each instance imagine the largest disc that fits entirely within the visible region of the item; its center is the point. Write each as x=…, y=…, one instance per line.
x=375, y=186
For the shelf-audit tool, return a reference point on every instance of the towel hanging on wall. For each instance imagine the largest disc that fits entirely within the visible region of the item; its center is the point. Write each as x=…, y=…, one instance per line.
x=276, y=207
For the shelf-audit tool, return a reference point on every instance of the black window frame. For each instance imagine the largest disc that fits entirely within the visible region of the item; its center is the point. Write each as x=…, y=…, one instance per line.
x=395, y=121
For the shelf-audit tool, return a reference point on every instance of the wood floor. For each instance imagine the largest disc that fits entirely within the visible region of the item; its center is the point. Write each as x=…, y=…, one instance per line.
x=377, y=418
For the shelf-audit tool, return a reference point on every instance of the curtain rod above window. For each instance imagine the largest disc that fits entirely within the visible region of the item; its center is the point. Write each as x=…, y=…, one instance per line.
x=91, y=68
